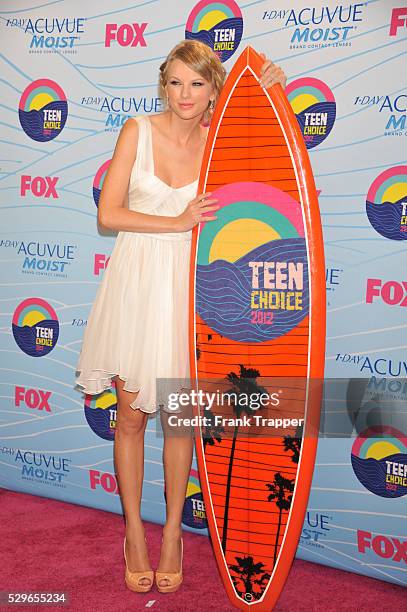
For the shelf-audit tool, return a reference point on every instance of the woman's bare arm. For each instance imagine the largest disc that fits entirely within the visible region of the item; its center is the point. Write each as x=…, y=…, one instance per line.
x=112, y=212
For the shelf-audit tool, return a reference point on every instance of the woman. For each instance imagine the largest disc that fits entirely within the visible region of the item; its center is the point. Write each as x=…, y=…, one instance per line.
x=138, y=327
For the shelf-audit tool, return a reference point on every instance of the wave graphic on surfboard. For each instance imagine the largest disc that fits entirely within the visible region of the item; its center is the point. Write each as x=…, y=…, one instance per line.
x=223, y=287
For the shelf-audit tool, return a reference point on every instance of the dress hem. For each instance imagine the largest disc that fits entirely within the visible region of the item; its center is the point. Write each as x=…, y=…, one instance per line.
x=104, y=383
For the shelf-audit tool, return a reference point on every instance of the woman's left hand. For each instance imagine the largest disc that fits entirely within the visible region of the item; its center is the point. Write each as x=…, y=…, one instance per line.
x=271, y=73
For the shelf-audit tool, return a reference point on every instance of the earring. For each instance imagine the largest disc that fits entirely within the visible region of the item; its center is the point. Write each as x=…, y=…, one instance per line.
x=211, y=105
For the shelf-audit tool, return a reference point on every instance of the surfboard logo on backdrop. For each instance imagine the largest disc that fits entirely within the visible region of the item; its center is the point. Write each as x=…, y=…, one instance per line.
x=386, y=203
x=315, y=108
x=35, y=327
x=101, y=411
x=252, y=273
x=379, y=460
x=217, y=24
x=43, y=110
x=98, y=181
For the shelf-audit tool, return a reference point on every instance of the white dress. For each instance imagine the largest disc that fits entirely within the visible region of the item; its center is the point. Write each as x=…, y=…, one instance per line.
x=138, y=324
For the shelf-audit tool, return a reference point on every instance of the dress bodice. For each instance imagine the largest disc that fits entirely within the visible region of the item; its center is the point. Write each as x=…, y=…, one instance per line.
x=149, y=194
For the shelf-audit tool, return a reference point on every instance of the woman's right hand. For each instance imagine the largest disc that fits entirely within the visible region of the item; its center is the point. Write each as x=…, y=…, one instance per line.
x=195, y=212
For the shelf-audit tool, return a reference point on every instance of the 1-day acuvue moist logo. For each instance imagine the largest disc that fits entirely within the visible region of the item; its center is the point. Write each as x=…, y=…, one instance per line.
x=315, y=108
x=35, y=327
x=43, y=110
x=217, y=24
x=386, y=203
x=314, y=27
x=98, y=181
x=44, y=33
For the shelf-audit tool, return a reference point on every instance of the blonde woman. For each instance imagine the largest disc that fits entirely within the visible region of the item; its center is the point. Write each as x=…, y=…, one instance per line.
x=138, y=326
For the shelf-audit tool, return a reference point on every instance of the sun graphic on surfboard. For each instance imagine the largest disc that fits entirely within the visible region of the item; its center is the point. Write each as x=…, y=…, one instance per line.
x=255, y=223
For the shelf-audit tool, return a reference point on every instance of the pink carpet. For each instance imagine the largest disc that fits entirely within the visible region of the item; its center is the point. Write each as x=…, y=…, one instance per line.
x=50, y=546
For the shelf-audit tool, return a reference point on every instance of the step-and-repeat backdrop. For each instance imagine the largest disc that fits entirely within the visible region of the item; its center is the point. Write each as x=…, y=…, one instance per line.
x=71, y=74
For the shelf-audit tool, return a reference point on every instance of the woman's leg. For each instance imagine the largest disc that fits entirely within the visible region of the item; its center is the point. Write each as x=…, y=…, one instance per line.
x=177, y=459
x=129, y=466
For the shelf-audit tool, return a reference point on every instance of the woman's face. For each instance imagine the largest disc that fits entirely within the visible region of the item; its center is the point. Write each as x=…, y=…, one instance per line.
x=188, y=92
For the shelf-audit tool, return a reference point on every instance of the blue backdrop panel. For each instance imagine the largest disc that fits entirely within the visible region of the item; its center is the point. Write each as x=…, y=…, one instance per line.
x=72, y=73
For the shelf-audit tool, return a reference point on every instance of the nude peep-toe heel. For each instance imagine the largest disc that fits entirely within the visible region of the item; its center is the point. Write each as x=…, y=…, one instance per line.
x=174, y=578
x=133, y=579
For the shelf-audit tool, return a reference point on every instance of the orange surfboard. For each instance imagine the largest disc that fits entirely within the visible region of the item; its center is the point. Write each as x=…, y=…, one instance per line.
x=257, y=335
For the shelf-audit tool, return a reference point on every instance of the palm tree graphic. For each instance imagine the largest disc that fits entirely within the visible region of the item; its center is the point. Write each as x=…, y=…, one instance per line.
x=212, y=432
x=243, y=385
x=279, y=487
x=251, y=574
x=293, y=444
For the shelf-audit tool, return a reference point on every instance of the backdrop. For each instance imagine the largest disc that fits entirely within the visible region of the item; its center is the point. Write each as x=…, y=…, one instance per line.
x=72, y=73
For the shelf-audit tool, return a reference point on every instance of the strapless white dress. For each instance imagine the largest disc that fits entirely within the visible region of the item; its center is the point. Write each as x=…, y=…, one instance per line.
x=138, y=325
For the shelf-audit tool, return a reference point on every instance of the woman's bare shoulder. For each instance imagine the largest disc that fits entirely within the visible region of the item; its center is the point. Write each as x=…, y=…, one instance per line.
x=130, y=126
x=128, y=137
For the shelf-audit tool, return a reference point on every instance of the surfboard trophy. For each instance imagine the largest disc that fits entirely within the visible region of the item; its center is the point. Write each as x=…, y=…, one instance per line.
x=257, y=328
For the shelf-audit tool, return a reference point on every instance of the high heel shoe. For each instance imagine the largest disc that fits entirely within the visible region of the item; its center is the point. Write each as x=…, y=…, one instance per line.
x=174, y=578
x=133, y=579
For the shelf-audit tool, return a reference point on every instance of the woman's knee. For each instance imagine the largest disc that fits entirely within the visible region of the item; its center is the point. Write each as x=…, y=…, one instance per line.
x=129, y=420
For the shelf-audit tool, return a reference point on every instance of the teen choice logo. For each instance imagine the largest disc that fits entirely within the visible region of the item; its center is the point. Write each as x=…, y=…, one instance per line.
x=217, y=24
x=35, y=327
x=100, y=412
x=194, y=514
x=379, y=460
x=43, y=110
x=315, y=108
x=98, y=181
x=252, y=273
x=386, y=203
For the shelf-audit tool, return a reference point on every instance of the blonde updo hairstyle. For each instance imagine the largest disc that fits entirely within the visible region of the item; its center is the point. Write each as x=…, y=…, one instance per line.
x=200, y=58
